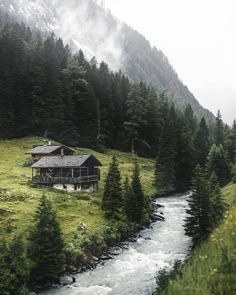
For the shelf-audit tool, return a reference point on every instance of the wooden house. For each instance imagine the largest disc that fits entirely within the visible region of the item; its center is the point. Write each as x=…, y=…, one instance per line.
x=40, y=151
x=69, y=173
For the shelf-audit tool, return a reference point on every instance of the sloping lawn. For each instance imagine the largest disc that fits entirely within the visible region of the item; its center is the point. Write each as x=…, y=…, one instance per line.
x=19, y=199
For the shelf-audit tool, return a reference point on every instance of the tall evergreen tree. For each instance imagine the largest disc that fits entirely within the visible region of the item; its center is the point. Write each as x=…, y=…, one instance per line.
x=138, y=195
x=129, y=200
x=219, y=130
x=218, y=163
x=14, y=268
x=198, y=223
x=46, y=246
x=135, y=116
x=165, y=175
x=112, y=201
x=201, y=144
x=184, y=151
x=217, y=202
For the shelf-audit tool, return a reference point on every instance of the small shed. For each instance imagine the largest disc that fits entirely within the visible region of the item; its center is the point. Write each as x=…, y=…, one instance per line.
x=69, y=173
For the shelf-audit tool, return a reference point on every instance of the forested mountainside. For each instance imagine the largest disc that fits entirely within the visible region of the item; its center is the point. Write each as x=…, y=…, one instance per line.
x=113, y=42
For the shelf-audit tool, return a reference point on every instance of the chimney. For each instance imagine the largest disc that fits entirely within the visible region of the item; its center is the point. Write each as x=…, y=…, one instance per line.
x=62, y=152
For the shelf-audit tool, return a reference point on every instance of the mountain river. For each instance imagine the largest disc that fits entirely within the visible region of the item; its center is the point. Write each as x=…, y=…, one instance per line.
x=133, y=270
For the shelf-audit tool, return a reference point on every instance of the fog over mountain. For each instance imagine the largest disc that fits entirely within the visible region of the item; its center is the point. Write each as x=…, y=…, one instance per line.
x=86, y=24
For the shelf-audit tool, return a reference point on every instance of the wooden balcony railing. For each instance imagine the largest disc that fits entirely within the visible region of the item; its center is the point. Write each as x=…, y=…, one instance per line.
x=64, y=180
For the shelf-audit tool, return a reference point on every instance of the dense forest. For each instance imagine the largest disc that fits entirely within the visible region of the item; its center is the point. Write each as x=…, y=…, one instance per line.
x=48, y=91
x=114, y=42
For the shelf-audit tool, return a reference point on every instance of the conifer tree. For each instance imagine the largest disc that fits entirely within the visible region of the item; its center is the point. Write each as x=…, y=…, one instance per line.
x=198, y=223
x=184, y=152
x=14, y=268
x=46, y=246
x=201, y=143
x=135, y=116
x=129, y=200
x=138, y=195
x=165, y=174
x=219, y=130
x=112, y=201
x=218, y=163
x=217, y=202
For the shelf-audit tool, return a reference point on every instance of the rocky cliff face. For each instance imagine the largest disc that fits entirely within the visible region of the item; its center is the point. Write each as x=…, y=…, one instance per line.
x=87, y=25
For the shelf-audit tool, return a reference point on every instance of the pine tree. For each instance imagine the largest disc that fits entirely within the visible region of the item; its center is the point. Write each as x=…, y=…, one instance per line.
x=129, y=200
x=218, y=163
x=135, y=116
x=190, y=118
x=198, y=223
x=201, y=144
x=112, y=201
x=217, y=202
x=219, y=130
x=165, y=174
x=14, y=268
x=184, y=151
x=138, y=195
x=46, y=246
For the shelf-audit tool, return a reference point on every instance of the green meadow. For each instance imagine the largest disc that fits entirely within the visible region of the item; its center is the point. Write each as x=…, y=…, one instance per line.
x=19, y=198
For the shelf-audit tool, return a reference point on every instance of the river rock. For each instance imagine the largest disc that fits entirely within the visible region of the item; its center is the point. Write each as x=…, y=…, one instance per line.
x=66, y=281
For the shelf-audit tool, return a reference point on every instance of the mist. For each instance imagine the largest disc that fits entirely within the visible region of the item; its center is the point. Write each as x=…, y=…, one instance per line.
x=82, y=24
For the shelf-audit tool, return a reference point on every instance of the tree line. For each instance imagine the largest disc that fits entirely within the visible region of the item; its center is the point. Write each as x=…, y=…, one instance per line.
x=126, y=202
x=214, y=170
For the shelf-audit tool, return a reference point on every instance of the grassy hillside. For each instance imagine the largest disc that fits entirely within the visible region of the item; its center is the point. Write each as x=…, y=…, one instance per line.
x=212, y=268
x=19, y=199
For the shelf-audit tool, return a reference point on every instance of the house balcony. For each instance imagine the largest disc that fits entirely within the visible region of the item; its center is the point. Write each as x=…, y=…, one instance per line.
x=64, y=180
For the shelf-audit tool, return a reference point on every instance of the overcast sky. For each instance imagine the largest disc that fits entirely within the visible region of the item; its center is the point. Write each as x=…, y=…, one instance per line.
x=199, y=39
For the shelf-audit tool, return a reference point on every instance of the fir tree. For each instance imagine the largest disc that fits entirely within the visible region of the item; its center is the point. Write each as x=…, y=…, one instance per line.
x=138, y=195
x=219, y=129
x=198, y=223
x=46, y=246
x=135, y=116
x=184, y=152
x=129, y=200
x=165, y=174
x=218, y=163
x=112, y=201
x=201, y=143
x=217, y=202
x=14, y=268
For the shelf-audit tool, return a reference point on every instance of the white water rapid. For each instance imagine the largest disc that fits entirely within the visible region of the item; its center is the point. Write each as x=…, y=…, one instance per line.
x=133, y=271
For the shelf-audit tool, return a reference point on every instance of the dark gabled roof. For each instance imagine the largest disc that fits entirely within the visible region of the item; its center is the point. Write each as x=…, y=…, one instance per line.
x=66, y=161
x=46, y=149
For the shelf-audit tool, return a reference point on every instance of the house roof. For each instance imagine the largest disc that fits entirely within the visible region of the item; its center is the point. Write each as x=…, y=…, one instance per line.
x=66, y=161
x=45, y=149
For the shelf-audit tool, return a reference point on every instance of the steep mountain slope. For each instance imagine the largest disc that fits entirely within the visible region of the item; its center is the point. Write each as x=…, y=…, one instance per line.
x=86, y=24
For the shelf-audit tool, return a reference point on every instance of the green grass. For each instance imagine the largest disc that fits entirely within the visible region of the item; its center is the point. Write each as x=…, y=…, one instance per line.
x=205, y=272
x=19, y=199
